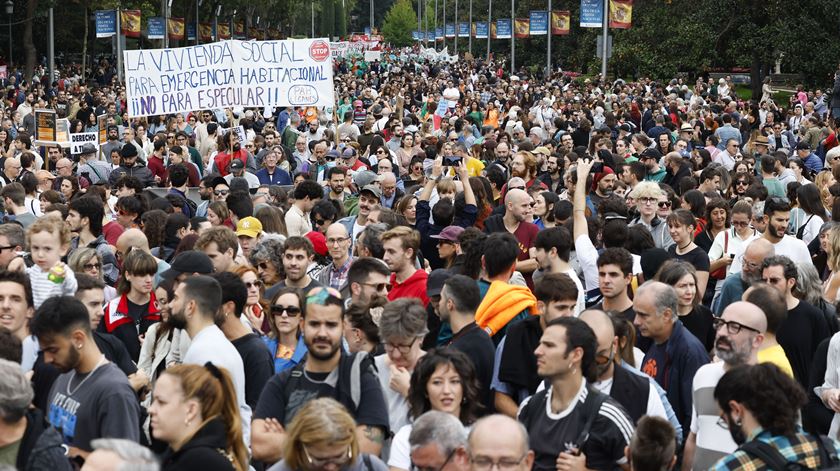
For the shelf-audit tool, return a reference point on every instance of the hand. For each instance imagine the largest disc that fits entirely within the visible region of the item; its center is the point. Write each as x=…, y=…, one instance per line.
x=569, y=462
x=17, y=264
x=583, y=168
x=832, y=399
x=138, y=380
x=272, y=425
x=400, y=378
x=437, y=168
x=727, y=259
x=463, y=171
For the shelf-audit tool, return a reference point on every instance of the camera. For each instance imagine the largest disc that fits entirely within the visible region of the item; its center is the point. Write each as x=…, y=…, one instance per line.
x=452, y=161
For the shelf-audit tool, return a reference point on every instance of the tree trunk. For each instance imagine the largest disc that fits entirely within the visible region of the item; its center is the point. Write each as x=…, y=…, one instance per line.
x=28, y=45
x=84, y=45
x=755, y=76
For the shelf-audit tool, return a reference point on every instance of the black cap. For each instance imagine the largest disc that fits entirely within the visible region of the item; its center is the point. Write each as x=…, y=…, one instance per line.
x=803, y=145
x=128, y=151
x=650, y=152
x=191, y=261
x=435, y=281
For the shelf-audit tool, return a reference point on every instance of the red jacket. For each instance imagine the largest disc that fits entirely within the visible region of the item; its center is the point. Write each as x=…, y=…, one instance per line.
x=222, y=160
x=413, y=287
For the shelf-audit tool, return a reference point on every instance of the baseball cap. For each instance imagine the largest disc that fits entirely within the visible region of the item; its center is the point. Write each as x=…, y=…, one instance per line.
x=542, y=150
x=237, y=164
x=348, y=151
x=191, y=261
x=435, y=281
x=449, y=233
x=319, y=242
x=249, y=227
x=803, y=145
x=650, y=152
x=372, y=189
x=364, y=178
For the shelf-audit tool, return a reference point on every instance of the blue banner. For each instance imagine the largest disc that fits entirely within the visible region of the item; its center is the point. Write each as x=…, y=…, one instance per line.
x=464, y=30
x=367, y=30
x=481, y=30
x=504, y=29
x=157, y=28
x=591, y=13
x=106, y=23
x=430, y=35
x=415, y=35
x=450, y=30
x=539, y=22
x=190, y=31
x=438, y=33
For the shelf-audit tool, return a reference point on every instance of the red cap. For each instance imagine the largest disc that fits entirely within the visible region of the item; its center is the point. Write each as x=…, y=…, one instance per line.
x=319, y=242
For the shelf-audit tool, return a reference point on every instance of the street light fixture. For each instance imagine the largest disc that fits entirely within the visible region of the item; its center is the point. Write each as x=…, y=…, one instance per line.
x=10, y=9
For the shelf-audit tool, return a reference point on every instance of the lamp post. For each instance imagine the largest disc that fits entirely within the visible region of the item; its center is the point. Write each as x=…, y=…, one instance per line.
x=10, y=9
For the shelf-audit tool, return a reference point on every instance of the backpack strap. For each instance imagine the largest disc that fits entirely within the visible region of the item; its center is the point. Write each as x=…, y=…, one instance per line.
x=366, y=459
x=356, y=377
x=767, y=453
x=591, y=407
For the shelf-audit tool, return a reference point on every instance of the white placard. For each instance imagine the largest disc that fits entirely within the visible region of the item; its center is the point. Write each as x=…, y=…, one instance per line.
x=80, y=139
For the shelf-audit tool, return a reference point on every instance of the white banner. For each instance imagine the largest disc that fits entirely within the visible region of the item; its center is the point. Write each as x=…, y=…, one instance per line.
x=229, y=74
x=339, y=49
x=80, y=139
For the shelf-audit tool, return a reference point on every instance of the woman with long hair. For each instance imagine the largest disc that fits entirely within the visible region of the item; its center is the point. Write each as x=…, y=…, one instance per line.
x=322, y=437
x=696, y=317
x=195, y=412
x=271, y=219
x=800, y=171
x=87, y=260
x=544, y=202
x=681, y=226
x=136, y=296
x=254, y=312
x=157, y=344
x=68, y=187
x=407, y=207
x=810, y=201
x=664, y=143
x=285, y=341
x=831, y=291
x=444, y=380
x=407, y=150
x=218, y=214
x=361, y=326
x=717, y=221
x=824, y=180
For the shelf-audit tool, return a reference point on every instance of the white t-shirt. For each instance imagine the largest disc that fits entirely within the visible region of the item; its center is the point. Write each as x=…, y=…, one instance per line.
x=397, y=404
x=789, y=246
x=713, y=442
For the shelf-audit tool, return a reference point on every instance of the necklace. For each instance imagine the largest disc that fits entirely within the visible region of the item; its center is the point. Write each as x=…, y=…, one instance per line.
x=684, y=246
x=100, y=363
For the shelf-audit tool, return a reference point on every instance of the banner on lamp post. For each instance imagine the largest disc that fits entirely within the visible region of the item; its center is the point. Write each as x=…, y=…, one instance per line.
x=621, y=14
x=481, y=30
x=560, y=22
x=157, y=28
x=591, y=13
x=130, y=23
x=504, y=28
x=539, y=23
x=521, y=28
x=106, y=23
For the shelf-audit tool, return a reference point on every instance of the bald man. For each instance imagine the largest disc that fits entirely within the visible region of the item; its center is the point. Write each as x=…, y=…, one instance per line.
x=335, y=274
x=135, y=239
x=11, y=171
x=499, y=439
x=390, y=193
x=612, y=379
x=739, y=335
x=516, y=220
x=746, y=271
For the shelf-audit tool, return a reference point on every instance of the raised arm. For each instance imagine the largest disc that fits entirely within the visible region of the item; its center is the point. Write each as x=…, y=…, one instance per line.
x=579, y=202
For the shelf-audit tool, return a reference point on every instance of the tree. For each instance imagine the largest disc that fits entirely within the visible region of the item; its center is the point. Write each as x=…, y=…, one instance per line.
x=399, y=23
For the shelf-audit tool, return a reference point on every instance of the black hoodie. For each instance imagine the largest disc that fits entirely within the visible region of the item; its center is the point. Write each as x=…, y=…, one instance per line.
x=203, y=452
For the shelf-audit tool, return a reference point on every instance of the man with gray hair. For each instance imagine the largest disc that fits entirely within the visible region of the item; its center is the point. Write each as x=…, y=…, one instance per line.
x=114, y=454
x=676, y=354
x=438, y=441
x=499, y=440
x=22, y=429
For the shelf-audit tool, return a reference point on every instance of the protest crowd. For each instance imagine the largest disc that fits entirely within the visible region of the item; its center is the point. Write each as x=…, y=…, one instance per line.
x=454, y=268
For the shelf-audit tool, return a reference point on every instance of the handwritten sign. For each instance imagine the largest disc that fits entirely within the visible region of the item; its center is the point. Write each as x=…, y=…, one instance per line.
x=229, y=74
x=78, y=140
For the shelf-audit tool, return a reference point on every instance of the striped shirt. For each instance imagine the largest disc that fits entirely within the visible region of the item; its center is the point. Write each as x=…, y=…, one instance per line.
x=43, y=288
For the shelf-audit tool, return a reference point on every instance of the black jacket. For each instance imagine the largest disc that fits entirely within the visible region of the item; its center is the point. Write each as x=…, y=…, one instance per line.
x=41, y=447
x=495, y=223
x=204, y=452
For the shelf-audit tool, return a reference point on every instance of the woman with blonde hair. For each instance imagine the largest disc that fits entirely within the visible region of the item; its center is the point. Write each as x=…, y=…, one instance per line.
x=87, y=260
x=832, y=284
x=824, y=180
x=195, y=412
x=322, y=436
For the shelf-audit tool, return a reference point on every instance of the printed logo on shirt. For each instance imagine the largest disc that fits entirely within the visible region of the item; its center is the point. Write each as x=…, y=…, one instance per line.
x=62, y=416
x=650, y=368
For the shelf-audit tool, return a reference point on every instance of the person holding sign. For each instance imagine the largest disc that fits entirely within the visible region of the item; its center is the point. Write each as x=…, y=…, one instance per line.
x=229, y=149
x=96, y=171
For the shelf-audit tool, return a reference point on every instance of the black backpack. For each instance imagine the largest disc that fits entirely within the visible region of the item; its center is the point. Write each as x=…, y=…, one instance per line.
x=775, y=461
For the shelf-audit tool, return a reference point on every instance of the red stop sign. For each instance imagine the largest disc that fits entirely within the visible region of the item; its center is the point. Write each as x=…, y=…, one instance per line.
x=319, y=50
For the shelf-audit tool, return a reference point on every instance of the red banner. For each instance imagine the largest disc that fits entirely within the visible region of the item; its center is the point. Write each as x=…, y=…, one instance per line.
x=176, y=28
x=560, y=21
x=522, y=28
x=130, y=23
x=621, y=14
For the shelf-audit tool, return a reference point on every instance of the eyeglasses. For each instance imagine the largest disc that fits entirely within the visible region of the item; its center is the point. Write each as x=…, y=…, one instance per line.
x=123, y=212
x=221, y=192
x=516, y=188
x=253, y=284
x=170, y=137
x=722, y=423
x=262, y=265
x=321, y=462
x=485, y=463
x=740, y=223
x=731, y=326
x=7, y=247
x=290, y=311
x=91, y=266
x=379, y=286
x=742, y=183
x=403, y=349
x=414, y=467
x=337, y=240
x=664, y=204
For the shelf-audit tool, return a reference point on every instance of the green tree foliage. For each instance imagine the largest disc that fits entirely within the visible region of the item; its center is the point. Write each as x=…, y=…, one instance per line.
x=400, y=21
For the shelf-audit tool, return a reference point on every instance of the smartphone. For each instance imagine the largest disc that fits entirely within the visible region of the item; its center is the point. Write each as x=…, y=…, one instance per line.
x=452, y=161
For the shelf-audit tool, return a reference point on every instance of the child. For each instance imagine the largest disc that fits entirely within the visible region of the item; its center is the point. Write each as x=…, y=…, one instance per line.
x=48, y=239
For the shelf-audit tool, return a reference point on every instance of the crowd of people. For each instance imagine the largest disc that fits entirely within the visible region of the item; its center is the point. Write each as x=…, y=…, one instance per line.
x=452, y=269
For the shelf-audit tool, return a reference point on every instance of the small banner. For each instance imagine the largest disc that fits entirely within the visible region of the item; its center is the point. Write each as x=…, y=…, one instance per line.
x=591, y=13
x=205, y=31
x=450, y=30
x=522, y=28
x=481, y=30
x=504, y=29
x=45, y=125
x=130, y=23
x=175, y=28
x=190, y=31
x=78, y=140
x=101, y=121
x=254, y=32
x=415, y=35
x=621, y=14
x=492, y=30
x=239, y=32
x=539, y=22
x=224, y=31
x=157, y=28
x=106, y=23
x=463, y=30
x=560, y=22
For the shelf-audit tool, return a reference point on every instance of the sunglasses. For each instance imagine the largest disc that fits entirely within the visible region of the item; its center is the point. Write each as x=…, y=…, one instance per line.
x=664, y=204
x=290, y=311
x=741, y=183
x=123, y=212
x=91, y=266
x=221, y=192
x=253, y=284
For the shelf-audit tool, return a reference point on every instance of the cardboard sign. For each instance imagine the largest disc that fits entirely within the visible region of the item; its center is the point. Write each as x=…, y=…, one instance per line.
x=77, y=141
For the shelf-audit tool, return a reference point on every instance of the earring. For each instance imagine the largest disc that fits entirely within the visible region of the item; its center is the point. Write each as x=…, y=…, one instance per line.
x=78, y=347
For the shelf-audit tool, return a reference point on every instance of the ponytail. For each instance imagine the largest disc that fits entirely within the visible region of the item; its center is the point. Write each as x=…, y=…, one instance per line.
x=231, y=417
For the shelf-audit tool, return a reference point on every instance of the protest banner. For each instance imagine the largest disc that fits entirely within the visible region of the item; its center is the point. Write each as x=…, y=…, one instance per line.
x=504, y=28
x=130, y=23
x=103, y=128
x=228, y=74
x=539, y=22
x=106, y=23
x=45, y=125
x=78, y=140
x=3, y=72
x=560, y=22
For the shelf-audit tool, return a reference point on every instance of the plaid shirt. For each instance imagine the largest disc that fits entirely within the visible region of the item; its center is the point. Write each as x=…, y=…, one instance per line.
x=338, y=276
x=486, y=97
x=799, y=448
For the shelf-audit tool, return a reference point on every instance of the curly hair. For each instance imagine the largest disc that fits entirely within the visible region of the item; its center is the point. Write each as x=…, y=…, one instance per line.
x=418, y=399
x=771, y=396
x=269, y=249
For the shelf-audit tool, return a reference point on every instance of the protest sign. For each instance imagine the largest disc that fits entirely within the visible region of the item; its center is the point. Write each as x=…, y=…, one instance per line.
x=229, y=74
x=101, y=121
x=45, y=125
x=78, y=140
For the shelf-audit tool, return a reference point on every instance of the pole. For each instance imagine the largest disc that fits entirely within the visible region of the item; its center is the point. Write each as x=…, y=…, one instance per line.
x=457, y=27
x=512, y=37
x=548, y=40
x=436, y=22
x=470, y=36
x=51, y=51
x=197, y=35
x=605, y=30
x=51, y=46
x=444, y=23
x=489, y=21
x=371, y=16
x=312, y=15
x=419, y=20
x=9, y=71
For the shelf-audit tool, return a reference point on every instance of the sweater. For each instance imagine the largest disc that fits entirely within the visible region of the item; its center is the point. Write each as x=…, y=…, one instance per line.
x=501, y=304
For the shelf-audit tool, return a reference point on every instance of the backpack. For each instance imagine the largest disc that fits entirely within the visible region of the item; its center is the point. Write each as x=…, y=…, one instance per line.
x=348, y=390
x=801, y=231
x=775, y=461
x=591, y=406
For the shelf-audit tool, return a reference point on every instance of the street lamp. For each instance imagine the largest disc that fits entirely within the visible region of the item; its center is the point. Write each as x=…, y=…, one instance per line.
x=10, y=9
